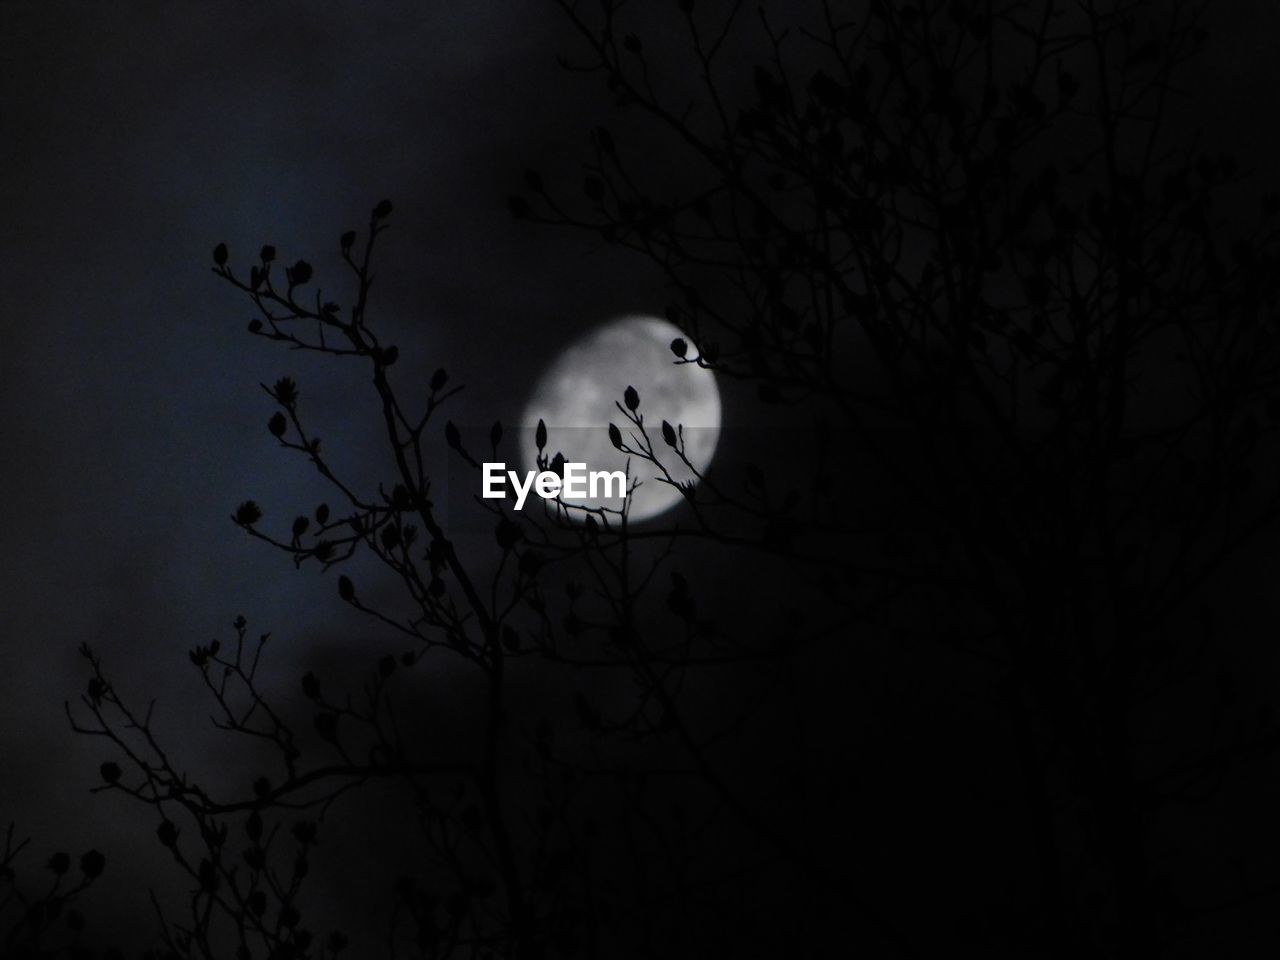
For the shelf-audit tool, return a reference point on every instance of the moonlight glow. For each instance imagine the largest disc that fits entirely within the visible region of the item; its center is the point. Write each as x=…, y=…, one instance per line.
x=576, y=398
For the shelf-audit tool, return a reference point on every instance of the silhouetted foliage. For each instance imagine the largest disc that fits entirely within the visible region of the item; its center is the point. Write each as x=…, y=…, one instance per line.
x=38, y=917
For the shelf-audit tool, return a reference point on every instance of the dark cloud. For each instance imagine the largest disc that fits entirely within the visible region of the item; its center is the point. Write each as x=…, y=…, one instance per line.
x=137, y=136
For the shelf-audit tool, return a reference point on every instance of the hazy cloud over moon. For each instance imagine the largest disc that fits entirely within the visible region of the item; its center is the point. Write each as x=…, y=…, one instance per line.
x=577, y=398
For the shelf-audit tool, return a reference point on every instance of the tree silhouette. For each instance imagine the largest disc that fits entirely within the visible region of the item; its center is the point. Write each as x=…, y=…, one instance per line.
x=503, y=843
x=982, y=226
x=963, y=250
x=39, y=919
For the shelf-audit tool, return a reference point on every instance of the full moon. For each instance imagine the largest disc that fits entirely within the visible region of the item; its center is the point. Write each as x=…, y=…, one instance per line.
x=576, y=399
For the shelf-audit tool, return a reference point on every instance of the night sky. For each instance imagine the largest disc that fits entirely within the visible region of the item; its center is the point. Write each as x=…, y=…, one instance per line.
x=133, y=137
x=138, y=137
